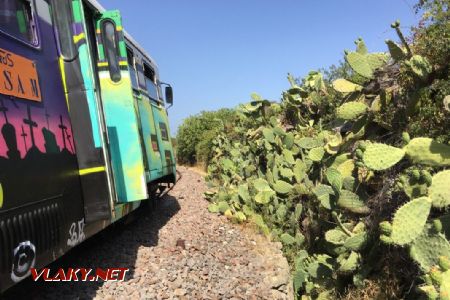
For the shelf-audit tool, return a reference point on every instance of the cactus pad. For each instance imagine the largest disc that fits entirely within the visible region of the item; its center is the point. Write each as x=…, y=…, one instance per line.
x=223, y=206
x=380, y=157
x=268, y=135
x=316, y=154
x=361, y=47
x=213, y=208
x=350, y=264
x=299, y=170
x=351, y=110
x=352, y=203
x=287, y=239
x=409, y=221
x=356, y=242
x=445, y=286
x=323, y=193
x=264, y=197
x=428, y=248
x=336, y=237
x=288, y=140
x=346, y=168
x=396, y=52
x=334, y=178
x=282, y=187
x=376, y=60
x=420, y=66
x=345, y=86
x=414, y=188
x=360, y=64
x=428, y=152
x=309, y=143
x=439, y=191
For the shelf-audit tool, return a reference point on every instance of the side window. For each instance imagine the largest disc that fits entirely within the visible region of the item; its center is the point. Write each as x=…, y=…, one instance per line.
x=164, y=133
x=155, y=145
x=111, y=48
x=64, y=21
x=16, y=19
x=132, y=69
x=149, y=75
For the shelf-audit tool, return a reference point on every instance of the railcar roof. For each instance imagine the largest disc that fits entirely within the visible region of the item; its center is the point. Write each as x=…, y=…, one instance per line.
x=130, y=39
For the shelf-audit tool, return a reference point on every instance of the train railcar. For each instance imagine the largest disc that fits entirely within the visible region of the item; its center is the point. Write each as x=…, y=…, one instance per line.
x=84, y=134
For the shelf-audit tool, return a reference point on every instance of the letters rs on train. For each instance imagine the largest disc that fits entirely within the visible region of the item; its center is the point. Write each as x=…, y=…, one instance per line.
x=18, y=77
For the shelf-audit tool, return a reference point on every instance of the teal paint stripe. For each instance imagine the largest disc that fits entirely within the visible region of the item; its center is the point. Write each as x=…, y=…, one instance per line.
x=90, y=94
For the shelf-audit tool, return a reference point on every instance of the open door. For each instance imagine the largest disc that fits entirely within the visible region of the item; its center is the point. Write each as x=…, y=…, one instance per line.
x=119, y=110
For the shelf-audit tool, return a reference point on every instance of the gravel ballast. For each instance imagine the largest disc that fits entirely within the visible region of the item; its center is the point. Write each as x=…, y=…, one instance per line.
x=177, y=251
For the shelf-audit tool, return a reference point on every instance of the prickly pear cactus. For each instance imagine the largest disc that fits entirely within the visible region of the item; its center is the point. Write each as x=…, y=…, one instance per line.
x=380, y=157
x=428, y=152
x=439, y=190
x=412, y=186
x=336, y=237
x=409, y=221
x=345, y=86
x=309, y=143
x=437, y=280
x=282, y=187
x=317, y=170
x=360, y=64
x=420, y=66
x=351, y=110
x=350, y=264
x=428, y=247
x=316, y=154
x=396, y=52
x=352, y=202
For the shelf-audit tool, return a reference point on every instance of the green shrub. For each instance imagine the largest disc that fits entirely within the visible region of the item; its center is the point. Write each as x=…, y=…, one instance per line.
x=191, y=132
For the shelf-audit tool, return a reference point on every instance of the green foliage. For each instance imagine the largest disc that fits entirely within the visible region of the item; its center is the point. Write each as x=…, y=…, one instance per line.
x=195, y=135
x=341, y=169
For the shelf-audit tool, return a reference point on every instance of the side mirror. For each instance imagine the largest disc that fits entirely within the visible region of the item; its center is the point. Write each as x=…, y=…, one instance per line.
x=169, y=95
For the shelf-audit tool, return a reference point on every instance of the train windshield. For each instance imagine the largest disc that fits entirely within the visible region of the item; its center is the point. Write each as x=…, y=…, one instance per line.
x=16, y=19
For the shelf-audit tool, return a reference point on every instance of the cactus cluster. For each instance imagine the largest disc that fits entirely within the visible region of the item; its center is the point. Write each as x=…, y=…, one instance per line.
x=318, y=184
x=437, y=280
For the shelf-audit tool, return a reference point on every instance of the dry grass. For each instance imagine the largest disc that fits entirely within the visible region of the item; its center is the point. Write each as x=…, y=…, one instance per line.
x=198, y=168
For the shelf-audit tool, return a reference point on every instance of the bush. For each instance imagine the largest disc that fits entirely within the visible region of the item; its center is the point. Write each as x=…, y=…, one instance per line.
x=194, y=128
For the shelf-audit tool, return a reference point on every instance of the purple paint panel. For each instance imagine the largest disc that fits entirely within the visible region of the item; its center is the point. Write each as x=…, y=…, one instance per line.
x=35, y=122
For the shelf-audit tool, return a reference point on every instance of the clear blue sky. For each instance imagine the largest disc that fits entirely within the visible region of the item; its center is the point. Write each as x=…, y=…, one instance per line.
x=216, y=52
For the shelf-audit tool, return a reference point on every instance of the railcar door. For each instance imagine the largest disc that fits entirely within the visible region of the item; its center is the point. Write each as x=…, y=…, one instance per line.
x=119, y=110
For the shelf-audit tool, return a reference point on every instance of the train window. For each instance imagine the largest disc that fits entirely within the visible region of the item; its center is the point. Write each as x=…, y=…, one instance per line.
x=16, y=19
x=64, y=21
x=164, y=133
x=150, y=82
x=155, y=144
x=111, y=48
x=132, y=68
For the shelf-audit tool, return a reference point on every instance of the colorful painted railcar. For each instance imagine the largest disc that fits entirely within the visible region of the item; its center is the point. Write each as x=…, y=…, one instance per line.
x=84, y=134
